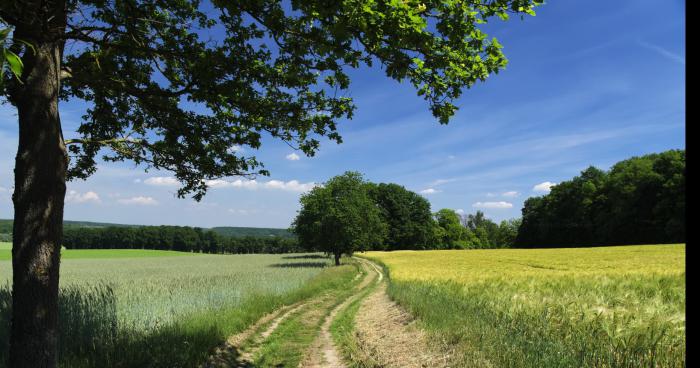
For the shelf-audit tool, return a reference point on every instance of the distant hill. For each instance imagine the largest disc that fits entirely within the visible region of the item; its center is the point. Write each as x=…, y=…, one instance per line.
x=6, y=225
x=232, y=231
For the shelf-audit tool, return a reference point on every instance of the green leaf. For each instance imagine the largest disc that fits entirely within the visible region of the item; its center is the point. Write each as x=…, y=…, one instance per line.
x=4, y=33
x=14, y=62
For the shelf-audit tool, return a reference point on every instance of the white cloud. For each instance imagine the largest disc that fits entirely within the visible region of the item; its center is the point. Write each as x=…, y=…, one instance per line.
x=140, y=201
x=292, y=157
x=289, y=186
x=3, y=189
x=460, y=212
x=237, y=211
x=543, y=187
x=162, y=181
x=75, y=197
x=429, y=191
x=440, y=182
x=510, y=194
x=498, y=205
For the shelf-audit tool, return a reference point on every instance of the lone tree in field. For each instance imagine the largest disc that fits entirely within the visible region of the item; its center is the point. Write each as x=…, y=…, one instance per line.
x=175, y=85
x=339, y=217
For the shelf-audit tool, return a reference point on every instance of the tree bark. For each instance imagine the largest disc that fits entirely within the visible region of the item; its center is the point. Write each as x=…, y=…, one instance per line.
x=337, y=258
x=40, y=187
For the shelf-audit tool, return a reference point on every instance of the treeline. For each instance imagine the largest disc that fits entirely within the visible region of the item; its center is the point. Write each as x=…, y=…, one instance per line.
x=400, y=219
x=177, y=238
x=410, y=224
x=252, y=232
x=638, y=201
x=472, y=231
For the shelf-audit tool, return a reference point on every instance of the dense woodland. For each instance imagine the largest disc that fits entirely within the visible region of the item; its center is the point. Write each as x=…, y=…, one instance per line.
x=178, y=238
x=638, y=201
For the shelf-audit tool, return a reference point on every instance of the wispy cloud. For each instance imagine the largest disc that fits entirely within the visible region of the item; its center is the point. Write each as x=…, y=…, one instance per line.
x=139, y=201
x=663, y=52
x=437, y=182
x=76, y=197
x=162, y=181
x=510, y=194
x=493, y=205
x=429, y=191
x=290, y=186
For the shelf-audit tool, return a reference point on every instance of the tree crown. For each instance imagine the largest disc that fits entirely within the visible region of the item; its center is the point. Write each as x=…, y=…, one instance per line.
x=177, y=85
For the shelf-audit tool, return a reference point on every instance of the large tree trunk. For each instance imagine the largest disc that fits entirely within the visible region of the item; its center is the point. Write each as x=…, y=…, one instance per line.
x=40, y=187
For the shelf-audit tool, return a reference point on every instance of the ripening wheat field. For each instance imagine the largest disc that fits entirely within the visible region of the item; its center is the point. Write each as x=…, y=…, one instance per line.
x=596, y=307
x=157, y=308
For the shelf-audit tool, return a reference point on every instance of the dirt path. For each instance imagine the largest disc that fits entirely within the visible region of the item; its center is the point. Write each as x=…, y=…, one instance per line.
x=323, y=353
x=386, y=336
x=384, y=332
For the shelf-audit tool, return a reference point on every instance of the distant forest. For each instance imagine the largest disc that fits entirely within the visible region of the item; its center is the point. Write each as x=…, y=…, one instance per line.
x=638, y=201
x=224, y=239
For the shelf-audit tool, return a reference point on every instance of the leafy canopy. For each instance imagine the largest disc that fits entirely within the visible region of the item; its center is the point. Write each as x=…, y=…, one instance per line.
x=177, y=85
x=339, y=217
x=407, y=215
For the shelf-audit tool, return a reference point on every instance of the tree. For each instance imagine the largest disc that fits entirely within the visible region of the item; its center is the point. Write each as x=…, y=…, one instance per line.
x=339, y=217
x=452, y=229
x=640, y=200
x=406, y=214
x=175, y=85
x=507, y=232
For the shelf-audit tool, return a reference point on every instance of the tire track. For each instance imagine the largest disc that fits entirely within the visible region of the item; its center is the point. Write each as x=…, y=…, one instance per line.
x=323, y=353
x=231, y=353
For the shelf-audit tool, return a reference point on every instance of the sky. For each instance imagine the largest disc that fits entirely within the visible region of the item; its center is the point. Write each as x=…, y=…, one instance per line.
x=586, y=84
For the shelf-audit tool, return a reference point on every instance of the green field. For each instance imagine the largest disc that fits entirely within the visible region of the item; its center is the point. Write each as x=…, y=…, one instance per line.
x=153, y=308
x=601, y=307
x=6, y=253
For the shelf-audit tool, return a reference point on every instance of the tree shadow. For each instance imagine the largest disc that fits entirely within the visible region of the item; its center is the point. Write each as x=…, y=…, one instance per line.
x=306, y=256
x=90, y=335
x=300, y=265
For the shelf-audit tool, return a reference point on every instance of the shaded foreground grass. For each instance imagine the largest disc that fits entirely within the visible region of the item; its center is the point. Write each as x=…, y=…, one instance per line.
x=601, y=307
x=115, y=323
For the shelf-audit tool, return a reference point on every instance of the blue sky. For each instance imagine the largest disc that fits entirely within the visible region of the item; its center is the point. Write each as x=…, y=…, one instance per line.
x=587, y=84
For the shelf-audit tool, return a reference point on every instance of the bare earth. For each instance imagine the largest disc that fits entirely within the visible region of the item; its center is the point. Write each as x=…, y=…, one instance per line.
x=387, y=336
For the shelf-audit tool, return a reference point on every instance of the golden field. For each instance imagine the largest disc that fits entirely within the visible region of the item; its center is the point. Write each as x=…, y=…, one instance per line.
x=571, y=307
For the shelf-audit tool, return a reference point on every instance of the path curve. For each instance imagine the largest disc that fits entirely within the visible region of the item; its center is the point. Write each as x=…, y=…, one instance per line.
x=323, y=353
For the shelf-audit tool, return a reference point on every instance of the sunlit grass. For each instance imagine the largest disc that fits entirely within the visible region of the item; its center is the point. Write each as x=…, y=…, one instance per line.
x=604, y=307
x=164, y=310
x=6, y=253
